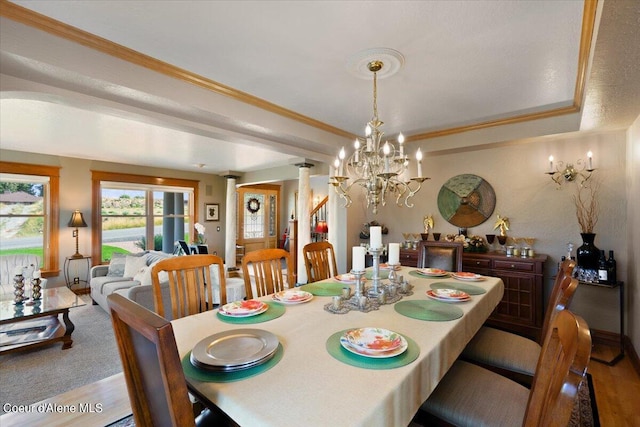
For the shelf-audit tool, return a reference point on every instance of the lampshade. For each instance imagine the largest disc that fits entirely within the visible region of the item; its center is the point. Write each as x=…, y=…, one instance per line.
x=322, y=227
x=77, y=220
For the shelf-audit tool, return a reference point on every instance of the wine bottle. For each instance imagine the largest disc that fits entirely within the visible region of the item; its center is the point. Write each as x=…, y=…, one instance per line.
x=603, y=273
x=611, y=269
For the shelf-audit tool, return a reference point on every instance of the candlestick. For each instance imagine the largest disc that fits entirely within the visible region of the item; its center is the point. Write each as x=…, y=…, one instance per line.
x=341, y=155
x=550, y=163
x=357, y=255
x=375, y=237
x=394, y=254
x=401, y=144
x=590, y=156
x=419, y=159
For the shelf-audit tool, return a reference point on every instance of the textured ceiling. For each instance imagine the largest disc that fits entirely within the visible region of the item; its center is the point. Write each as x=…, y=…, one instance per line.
x=271, y=77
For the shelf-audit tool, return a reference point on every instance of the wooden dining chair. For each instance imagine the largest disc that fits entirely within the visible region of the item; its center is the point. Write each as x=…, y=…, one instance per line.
x=152, y=369
x=470, y=395
x=269, y=270
x=515, y=356
x=190, y=284
x=443, y=255
x=320, y=261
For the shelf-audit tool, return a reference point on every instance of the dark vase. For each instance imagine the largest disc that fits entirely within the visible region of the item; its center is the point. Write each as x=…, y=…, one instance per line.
x=587, y=254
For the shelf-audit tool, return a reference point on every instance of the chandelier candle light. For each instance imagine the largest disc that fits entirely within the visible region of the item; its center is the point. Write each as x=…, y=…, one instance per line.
x=380, y=168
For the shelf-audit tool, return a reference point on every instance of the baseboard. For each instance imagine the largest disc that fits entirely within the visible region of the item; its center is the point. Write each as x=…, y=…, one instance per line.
x=612, y=339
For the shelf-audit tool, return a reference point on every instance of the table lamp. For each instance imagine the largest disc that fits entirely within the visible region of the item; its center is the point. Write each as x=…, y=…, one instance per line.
x=76, y=221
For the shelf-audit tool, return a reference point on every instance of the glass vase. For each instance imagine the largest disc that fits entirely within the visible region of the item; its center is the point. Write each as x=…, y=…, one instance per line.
x=588, y=254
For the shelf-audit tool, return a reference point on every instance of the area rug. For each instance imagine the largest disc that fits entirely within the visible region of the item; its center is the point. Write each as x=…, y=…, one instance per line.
x=585, y=410
x=33, y=375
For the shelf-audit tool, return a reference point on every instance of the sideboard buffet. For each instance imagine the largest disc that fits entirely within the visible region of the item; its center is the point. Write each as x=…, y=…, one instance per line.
x=521, y=309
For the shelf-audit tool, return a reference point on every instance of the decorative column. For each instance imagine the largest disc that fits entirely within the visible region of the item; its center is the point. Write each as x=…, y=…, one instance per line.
x=336, y=220
x=231, y=223
x=304, y=219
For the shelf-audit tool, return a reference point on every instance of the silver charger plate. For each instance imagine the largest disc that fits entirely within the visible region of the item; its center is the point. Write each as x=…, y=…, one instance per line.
x=234, y=350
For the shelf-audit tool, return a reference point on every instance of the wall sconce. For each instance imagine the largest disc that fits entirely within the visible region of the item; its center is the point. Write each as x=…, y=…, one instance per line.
x=76, y=221
x=562, y=172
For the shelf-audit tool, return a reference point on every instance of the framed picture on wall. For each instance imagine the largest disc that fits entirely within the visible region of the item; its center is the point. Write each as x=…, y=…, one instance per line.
x=212, y=211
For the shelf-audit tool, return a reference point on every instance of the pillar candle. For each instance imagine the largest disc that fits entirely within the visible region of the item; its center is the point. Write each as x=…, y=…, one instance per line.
x=394, y=253
x=357, y=255
x=375, y=237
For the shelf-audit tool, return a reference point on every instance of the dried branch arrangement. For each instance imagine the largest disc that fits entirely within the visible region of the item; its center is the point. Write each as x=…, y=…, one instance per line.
x=587, y=206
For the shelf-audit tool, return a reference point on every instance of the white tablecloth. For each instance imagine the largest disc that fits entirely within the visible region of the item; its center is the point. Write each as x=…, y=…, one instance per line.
x=309, y=387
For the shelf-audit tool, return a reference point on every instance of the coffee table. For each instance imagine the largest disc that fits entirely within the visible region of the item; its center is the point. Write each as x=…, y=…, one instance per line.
x=34, y=324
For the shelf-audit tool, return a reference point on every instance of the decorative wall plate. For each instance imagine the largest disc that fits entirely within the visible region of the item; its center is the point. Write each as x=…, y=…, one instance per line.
x=466, y=200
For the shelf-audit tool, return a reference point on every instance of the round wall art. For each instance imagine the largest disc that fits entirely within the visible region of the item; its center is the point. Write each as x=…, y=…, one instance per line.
x=466, y=200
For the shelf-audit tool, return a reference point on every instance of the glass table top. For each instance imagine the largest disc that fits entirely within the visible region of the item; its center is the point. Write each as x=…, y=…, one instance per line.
x=53, y=299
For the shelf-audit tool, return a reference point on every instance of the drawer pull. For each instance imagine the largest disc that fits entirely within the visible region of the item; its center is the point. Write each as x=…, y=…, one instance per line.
x=513, y=266
x=477, y=262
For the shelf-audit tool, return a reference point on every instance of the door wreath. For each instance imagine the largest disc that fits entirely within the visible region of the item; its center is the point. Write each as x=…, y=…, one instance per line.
x=253, y=205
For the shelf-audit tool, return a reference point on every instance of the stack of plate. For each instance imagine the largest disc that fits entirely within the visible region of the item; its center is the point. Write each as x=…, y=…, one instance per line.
x=292, y=296
x=448, y=295
x=234, y=350
x=247, y=308
x=374, y=342
x=432, y=272
x=347, y=278
x=472, y=277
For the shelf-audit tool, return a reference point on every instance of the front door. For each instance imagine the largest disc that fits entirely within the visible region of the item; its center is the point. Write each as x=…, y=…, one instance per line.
x=258, y=217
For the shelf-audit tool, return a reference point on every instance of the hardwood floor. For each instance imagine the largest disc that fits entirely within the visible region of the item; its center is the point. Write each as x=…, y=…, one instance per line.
x=617, y=389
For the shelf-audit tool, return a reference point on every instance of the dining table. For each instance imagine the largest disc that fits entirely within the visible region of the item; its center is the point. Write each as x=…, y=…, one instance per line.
x=314, y=381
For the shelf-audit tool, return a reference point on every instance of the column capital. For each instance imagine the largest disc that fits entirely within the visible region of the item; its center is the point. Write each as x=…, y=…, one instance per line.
x=305, y=165
x=231, y=174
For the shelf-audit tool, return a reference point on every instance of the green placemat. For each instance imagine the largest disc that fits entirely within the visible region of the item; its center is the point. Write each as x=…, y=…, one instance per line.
x=384, y=274
x=415, y=273
x=274, y=310
x=227, y=377
x=428, y=310
x=464, y=287
x=324, y=289
x=336, y=350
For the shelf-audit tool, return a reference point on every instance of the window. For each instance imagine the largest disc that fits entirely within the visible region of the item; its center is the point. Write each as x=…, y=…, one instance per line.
x=139, y=213
x=28, y=224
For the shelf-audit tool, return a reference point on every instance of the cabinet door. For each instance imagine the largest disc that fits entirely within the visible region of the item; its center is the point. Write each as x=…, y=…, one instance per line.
x=518, y=310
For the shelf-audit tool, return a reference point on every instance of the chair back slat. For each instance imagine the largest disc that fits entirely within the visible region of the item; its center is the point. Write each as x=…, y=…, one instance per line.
x=561, y=368
x=268, y=275
x=320, y=261
x=190, y=284
x=562, y=293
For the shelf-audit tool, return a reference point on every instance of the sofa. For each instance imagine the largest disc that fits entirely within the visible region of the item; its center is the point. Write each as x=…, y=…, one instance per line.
x=130, y=275
x=8, y=264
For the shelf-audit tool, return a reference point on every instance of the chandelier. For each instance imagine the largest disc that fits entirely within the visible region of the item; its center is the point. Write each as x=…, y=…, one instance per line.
x=381, y=169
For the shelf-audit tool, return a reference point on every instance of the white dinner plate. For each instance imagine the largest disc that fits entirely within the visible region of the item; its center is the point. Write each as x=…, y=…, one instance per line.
x=292, y=296
x=471, y=277
x=432, y=272
x=374, y=354
x=243, y=308
x=432, y=295
x=347, y=278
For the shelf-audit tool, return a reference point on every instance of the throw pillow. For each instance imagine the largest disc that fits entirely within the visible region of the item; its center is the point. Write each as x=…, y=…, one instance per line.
x=133, y=264
x=141, y=275
x=116, y=265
